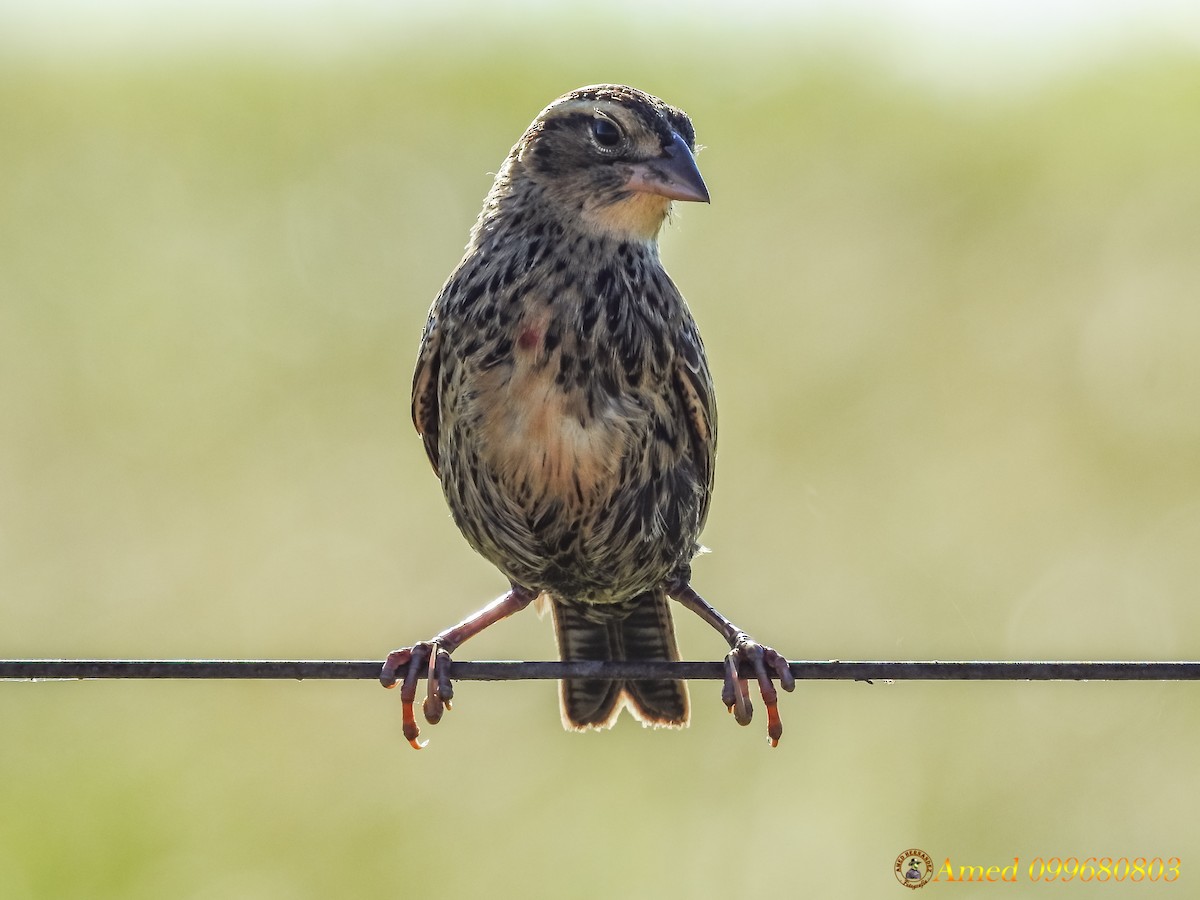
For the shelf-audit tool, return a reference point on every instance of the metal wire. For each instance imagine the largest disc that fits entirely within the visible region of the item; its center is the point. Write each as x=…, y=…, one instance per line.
x=966, y=670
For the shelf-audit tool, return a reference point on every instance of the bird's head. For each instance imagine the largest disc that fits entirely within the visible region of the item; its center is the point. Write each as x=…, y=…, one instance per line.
x=612, y=158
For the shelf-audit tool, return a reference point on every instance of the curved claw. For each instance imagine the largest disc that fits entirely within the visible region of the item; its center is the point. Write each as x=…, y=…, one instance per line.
x=783, y=671
x=734, y=694
x=408, y=693
x=440, y=692
x=395, y=661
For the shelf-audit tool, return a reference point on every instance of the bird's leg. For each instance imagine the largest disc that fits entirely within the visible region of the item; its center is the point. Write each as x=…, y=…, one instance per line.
x=432, y=657
x=744, y=649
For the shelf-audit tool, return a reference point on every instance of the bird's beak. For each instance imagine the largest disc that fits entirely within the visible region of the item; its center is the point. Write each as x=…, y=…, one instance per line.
x=673, y=175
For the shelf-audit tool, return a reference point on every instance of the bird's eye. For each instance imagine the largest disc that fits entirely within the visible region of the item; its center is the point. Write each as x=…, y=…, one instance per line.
x=606, y=132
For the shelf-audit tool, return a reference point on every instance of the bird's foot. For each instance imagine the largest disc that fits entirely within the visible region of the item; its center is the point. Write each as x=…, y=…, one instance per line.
x=406, y=666
x=763, y=662
x=431, y=658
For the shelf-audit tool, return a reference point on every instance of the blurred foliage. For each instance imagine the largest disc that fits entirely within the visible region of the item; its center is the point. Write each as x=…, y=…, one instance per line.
x=954, y=337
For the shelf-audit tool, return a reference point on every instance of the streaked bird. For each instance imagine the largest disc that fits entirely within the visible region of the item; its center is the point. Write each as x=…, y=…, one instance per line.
x=564, y=399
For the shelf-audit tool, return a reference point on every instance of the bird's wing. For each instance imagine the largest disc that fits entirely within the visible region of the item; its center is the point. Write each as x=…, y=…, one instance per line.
x=695, y=387
x=425, y=411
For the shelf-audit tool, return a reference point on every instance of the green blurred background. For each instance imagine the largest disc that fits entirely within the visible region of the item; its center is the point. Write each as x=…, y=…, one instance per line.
x=954, y=329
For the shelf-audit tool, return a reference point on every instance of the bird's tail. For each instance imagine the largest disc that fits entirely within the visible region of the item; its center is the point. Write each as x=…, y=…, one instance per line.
x=595, y=633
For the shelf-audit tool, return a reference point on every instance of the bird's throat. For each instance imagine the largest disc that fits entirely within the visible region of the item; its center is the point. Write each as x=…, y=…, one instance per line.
x=637, y=216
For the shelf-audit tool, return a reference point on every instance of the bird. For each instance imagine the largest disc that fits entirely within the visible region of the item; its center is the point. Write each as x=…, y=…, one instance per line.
x=564, y=399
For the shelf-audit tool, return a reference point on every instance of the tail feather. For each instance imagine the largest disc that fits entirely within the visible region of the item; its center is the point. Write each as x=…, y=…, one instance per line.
x=645, y=632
